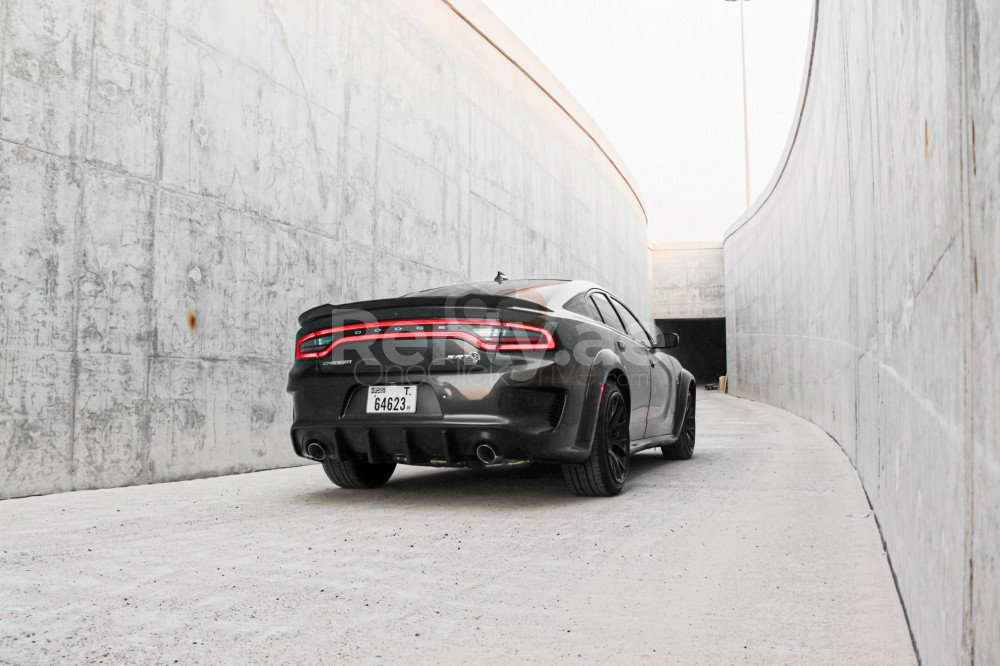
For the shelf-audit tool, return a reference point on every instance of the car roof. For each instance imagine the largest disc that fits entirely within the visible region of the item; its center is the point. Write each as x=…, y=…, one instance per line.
x=505, y=288
x=544, y=291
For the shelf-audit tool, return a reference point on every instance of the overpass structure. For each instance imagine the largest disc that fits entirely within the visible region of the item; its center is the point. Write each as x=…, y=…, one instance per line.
x=863, y=293
x=181, y=179
x=689, y=298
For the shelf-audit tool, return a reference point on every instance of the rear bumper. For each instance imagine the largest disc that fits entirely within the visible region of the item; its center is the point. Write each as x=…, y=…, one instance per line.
x=530, y=411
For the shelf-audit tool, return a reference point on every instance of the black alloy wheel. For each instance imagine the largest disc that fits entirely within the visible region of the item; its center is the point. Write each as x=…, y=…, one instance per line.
x=603, y=474
x=616, y=437
x=683, y=448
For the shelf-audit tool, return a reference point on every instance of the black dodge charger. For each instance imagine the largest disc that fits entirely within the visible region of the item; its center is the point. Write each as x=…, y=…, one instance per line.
x=487, y=373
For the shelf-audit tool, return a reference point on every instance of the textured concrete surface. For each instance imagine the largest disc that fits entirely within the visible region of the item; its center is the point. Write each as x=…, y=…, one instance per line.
x=759, y=550
x=688, y=280
x=179, y=179
x=862, y=293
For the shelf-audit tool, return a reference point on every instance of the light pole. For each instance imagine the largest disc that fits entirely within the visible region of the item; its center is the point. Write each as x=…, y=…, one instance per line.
x=746, y=121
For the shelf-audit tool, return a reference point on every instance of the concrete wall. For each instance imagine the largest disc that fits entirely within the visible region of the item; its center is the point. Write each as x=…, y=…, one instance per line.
x=180, y=178
x=688, y=280
x=863, y=291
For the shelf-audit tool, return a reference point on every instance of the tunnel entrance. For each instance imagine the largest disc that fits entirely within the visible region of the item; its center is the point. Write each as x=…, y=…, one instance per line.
x=702, y=350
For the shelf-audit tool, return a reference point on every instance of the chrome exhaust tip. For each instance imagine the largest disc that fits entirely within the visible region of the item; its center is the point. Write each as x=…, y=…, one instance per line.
x=315, y=451
x=487, y=454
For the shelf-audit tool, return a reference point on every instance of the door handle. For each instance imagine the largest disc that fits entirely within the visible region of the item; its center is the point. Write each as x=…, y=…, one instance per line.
x=621, y=345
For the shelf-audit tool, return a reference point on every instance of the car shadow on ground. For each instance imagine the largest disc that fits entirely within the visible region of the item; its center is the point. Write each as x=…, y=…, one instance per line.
x=524, y=485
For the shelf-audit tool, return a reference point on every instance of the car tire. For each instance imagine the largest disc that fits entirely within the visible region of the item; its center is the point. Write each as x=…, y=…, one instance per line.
x=683, y=448
x=358, y=474
x=604, y=472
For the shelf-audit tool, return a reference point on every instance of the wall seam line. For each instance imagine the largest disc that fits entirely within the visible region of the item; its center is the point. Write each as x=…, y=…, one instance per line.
x=5, y=34
x=155, y=213
x=965, y=215
x=79, y=166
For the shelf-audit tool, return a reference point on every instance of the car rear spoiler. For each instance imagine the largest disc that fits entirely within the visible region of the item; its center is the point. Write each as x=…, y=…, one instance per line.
x=474, y=301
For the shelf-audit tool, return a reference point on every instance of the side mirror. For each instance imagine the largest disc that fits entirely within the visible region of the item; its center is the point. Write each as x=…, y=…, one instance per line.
x=667, y=341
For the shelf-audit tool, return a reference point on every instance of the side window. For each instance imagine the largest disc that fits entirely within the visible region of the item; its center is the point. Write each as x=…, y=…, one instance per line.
x=607, y=312
x=582, y=305
x=632, y=325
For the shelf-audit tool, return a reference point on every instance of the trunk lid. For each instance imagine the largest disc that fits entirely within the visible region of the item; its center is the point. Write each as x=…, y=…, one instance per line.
x=408, y=337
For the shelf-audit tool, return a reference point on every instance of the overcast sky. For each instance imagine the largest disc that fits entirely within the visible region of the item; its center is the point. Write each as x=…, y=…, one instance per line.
x=662, y=79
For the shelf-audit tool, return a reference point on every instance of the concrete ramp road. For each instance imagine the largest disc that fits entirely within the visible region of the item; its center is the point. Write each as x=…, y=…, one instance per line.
x=761, y=549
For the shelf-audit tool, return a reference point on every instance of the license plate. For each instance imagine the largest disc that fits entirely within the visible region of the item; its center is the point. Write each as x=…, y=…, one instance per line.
x=392, y=399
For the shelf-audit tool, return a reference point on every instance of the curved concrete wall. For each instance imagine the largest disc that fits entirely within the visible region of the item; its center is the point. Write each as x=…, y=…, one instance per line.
x=862, y=293
x=179, y=179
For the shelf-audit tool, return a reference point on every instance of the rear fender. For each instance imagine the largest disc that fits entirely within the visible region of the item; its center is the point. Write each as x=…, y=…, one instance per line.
x=685, y=384
x=604, y=364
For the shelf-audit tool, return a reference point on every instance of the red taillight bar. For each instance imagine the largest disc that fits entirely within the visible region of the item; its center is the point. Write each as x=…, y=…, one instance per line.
x=546, y=341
